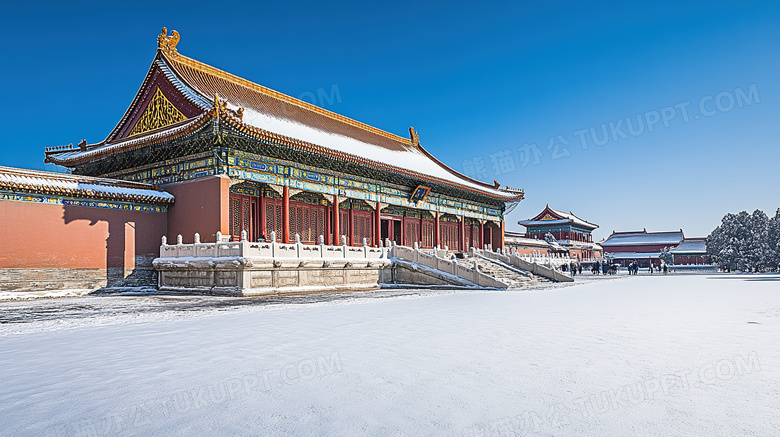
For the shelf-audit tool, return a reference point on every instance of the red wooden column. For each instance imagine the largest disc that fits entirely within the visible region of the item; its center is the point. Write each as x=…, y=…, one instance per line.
x=263, y=219
x=402, y=240
x=437, y=231
x=463, y=233
x=502, y=236
x=350, y=230
x=481, y=234
x=286, y=215
x=377, y=226
x=336, y=217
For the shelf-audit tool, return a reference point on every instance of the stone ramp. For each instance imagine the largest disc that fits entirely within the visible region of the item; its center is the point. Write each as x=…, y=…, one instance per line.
x=512, y=276
x=416, y=266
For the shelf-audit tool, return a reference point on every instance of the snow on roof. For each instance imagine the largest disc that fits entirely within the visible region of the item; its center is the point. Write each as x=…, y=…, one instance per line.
x=16, y=179
x=124, y=143
x=513, y=239
x=574, y=218
x=692, y=245
x=277, y=113
x=635, y=255
x=568, y=217
x=643, y=237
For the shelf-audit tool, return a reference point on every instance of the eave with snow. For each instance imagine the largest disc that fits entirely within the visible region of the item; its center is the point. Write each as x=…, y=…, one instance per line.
x=293, y=167
x=571, y=233
x=641, y=246
x=20, y=181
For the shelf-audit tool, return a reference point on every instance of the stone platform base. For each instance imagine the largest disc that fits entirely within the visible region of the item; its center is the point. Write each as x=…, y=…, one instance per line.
x=53, y=279
x=245, y=276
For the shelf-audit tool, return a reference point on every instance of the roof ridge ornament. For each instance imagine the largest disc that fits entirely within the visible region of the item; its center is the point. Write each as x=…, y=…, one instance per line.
x=167, y=44
x=415, y=136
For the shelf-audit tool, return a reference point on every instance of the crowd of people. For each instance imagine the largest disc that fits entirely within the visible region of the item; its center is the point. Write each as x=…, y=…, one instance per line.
x=605, y=268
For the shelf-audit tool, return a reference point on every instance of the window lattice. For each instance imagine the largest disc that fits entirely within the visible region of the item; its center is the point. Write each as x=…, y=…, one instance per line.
x=361, y=227
x=475, y=237
x=412, y=231
x=235, y=215
x=428, y=229
x=343, y=224
x=449, y=235
x=273, y=218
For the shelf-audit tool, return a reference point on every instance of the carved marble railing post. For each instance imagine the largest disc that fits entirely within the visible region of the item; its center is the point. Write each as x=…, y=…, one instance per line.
x=195, y=248
x=298, y=244
x=243, y=235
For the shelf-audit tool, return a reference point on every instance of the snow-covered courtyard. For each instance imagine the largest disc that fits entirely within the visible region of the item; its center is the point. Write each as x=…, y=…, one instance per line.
x=674, y=356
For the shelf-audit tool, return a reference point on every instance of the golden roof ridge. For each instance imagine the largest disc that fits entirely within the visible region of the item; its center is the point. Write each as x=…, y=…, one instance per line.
x=167, y=46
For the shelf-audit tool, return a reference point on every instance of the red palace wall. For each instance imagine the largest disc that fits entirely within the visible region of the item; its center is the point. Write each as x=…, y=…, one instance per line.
x=44, y=243
x=684, y=260
x=202, y=206
x=40, y=235
x=637, y=248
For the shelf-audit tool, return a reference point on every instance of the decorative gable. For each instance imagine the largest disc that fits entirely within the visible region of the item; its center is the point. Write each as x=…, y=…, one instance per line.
x=158, y=103
x=160, y=112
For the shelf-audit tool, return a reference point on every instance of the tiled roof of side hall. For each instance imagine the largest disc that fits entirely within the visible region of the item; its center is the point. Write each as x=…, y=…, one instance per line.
x=692, y=245
x=267, y=113
x=643, y=238
x=44, y=182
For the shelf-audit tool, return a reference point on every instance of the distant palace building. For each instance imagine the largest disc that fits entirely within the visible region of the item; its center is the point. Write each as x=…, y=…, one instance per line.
x=691, y=251
x=572, y=235
x=209, y=152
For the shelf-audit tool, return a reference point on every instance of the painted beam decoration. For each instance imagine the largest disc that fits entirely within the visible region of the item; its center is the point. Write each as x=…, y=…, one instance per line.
x=420, y=193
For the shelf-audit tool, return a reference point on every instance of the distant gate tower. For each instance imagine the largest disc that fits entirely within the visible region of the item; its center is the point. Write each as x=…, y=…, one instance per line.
x=571, y=232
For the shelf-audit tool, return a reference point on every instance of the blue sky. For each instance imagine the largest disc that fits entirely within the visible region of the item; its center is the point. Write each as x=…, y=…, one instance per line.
x=486, y=84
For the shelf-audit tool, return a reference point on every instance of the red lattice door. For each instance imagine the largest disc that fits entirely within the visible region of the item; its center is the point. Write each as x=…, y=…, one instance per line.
x=411, y=231
x=308, y=221
x=428, y=233
x=273, y=218
x=449, y=235
x=362, y=227
x=243, y=216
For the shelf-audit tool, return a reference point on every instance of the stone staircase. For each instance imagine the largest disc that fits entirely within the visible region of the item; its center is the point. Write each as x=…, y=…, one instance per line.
x=510, y=275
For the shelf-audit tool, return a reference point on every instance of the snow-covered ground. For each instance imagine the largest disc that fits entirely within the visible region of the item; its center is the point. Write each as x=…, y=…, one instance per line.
x=662, y=355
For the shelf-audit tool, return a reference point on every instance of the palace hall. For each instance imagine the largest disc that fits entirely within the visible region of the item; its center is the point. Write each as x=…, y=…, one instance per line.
x=229, y=156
